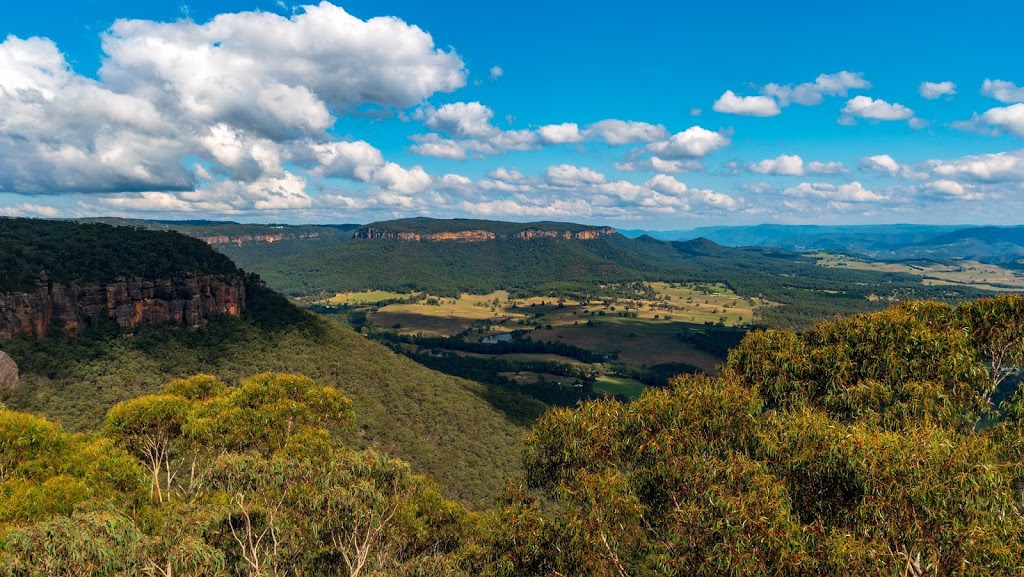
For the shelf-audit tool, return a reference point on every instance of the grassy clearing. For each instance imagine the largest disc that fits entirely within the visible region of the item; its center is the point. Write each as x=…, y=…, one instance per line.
x=442, y=316
x=363, y=298
x=962, y=273
x=619, y=386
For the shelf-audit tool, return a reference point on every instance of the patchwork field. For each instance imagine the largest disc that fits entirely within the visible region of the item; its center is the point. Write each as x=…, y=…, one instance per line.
x=962, y=273
x=635, y=325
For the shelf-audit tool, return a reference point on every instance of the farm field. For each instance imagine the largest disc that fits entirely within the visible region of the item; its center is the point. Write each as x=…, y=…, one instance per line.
x=962, y=273
x=634, y=325
x=619, y=386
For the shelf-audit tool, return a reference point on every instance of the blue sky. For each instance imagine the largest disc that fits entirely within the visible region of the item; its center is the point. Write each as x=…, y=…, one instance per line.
x=651, y=115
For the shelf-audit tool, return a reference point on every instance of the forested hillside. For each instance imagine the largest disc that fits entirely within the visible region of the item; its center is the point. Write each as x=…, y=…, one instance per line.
x=464, y=434
x=97, y=252
x=247, y=244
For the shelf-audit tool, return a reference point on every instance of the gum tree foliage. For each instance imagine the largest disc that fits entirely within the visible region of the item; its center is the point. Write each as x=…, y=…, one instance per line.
x=853, y=448
x=243, y=480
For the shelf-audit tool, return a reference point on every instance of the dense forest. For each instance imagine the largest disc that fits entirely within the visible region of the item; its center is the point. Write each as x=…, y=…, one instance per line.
x=889, y=443
x=294, y=239
x=97, y=253
x=467, y=435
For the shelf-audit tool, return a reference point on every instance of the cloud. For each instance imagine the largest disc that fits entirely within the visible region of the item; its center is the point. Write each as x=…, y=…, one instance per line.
x=28, y=209
x=63, y=132
x=496, y=72
x=354, y=160
x=785, y=164
x=694, y=142
x=394, y=178
x=774, y=96
x=729, y=103
x=656, y=164
x=816, y=167
x=188, y=115
x=933, y=90
x=813, y=93
x=567, y=175
x=1003, y=91
x=1000, y=167
x=503, y=174
x=692, y=198
x=886, y=164
x=470, y=119
x=437, y=147
x=867, y=107
x=618, y=132
x=564, y=133
x=1006, y=119
x=793, y=165
x=950, y=189
x=469, y=123
x=271, y=74
x=851, y=192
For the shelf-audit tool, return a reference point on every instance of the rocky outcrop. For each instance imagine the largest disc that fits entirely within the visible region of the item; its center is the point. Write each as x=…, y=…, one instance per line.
x=589, y=234
x=9, y=378
x=481, y=235
x=130, y=302
x=248, y=238
x=464, y=235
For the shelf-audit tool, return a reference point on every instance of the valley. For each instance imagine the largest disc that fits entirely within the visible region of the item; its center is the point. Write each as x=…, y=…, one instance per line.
x=461, y=405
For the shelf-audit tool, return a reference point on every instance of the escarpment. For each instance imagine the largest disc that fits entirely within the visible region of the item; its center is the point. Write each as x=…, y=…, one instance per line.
x=255, y=238
x=370, y=232
x=190, y=299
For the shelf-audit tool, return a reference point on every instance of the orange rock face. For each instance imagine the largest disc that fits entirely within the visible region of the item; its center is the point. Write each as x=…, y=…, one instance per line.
x=131, y=302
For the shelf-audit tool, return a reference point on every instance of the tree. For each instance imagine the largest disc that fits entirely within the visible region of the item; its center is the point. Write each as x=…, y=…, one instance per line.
x=149, y=427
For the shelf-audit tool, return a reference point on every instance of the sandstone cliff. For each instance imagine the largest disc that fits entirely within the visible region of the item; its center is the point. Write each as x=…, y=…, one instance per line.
x=590, y=234
x=9, y=378
x=249, y=238
x=131, y=302
x=480, y=235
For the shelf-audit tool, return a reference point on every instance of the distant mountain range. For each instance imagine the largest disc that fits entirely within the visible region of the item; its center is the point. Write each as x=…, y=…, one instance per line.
x=1003, y=245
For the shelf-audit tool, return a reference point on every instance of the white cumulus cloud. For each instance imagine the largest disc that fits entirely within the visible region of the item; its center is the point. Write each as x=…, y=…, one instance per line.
x=729, y=103
x=850, y=192
x=886, y=164
x=568, y=175
x=470, y=119
x=813, y=93
x=1000, y=167
x=817, y=167
x=785, y=164
x=564, y=133
x=694, y=142
x=1003, y=91
x=618, y=132
x=933, y=90
x=875, y=109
